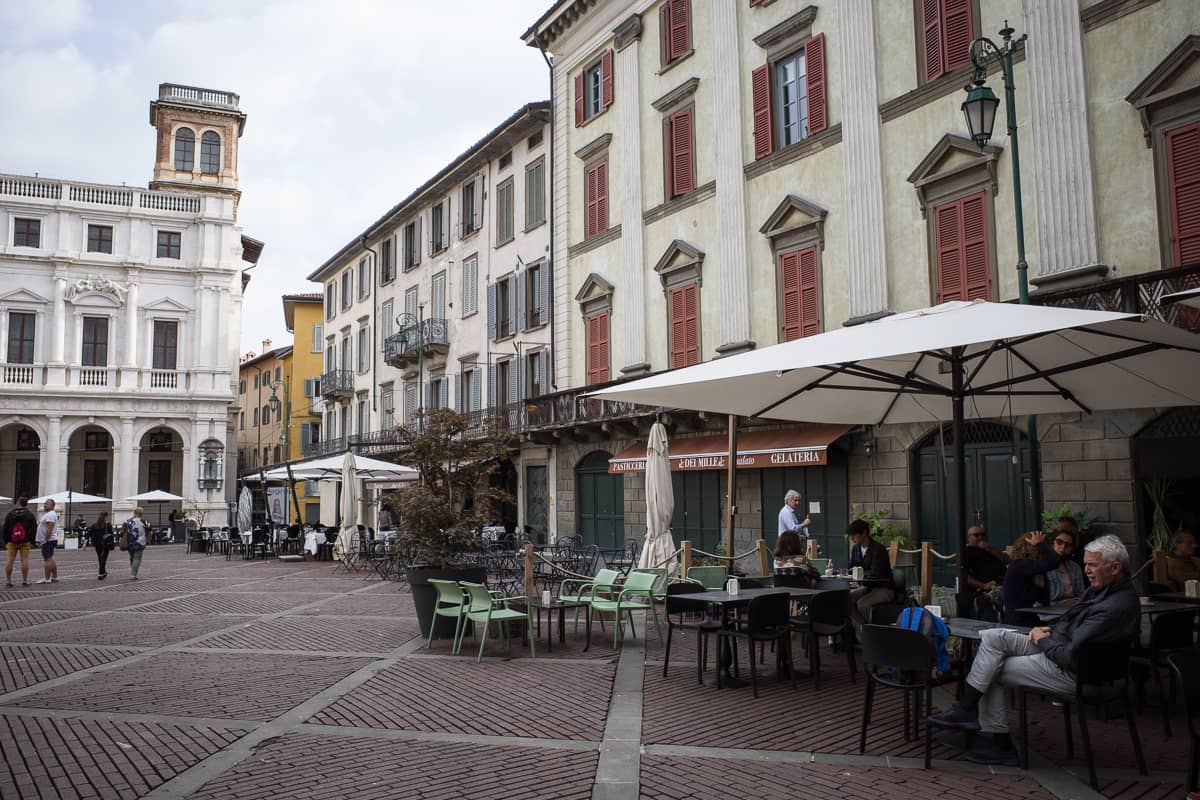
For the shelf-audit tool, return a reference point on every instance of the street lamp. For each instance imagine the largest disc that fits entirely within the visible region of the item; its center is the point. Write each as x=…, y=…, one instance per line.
x=979, y=109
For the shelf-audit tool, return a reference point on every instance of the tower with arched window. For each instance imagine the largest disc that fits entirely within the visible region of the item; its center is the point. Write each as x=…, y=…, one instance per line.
x=198, y=132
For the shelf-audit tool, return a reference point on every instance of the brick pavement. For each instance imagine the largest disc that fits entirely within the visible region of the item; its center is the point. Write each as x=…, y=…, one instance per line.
x=281, y=680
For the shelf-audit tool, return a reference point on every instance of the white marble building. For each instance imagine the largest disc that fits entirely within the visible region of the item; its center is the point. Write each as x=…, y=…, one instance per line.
x=120, y=309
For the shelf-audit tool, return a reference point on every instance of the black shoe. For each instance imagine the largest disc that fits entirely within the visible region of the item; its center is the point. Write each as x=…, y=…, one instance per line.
x=956, y=717
x=993, y=754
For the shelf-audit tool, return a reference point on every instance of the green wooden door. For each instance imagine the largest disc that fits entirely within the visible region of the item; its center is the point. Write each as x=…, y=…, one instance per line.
x=828, y=485
x=601, y=502
x=697, y=515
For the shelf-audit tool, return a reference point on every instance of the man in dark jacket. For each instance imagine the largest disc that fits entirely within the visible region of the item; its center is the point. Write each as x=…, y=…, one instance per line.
x=1108, y=612
x=876, y=585
x=20, y=523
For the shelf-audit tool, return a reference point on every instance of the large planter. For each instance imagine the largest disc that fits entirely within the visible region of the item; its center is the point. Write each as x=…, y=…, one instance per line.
x=425, y=595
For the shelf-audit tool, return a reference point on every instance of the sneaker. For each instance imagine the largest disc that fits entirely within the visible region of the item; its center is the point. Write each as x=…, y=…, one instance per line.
x=54, y=580
x=44, y=580
x=956, y=717
x=24, y=583
x=993, y=754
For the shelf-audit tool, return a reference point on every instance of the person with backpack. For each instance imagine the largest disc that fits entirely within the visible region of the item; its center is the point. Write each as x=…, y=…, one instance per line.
x=19, y=526
x=135, y=537
x=47, y=540
x=101, y=537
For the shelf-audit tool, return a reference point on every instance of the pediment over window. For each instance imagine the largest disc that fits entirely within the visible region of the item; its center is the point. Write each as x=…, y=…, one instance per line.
x=954, y=157
x=794, y=215
x=166, y=304
x=23, y=296
x=595, y=294
x=679, y=264
x=1175, y=76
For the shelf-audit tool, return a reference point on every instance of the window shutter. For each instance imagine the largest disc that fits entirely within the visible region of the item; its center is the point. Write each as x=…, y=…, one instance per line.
x=477, y=211
x=305, y=434
x=948, y=243
x=579, y=100
x=1183, y=192
x=491, y=378
x=544, y=370
x=521, y=322
x=458, y=392
x=476, y=388
x=598, y=348
x=760, y=89
x=543, y=309
x=690, y=344
x=515, y=375
x=417, y=240
x=491, y=312
x=814, y=56
x=308, y=387
x=931, y=39
x=664, y=33
x=444, y=393
x=678, y=328
x=589, y=224
x=602, y=197
x=681, y=28
x=977, y=264
x=810, y=293
x=514, y=306
x=956, y=33
x=606, y=78
x=789, y=278
x=682, y=147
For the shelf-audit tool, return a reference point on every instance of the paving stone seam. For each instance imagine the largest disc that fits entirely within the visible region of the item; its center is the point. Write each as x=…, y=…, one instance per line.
x=618, y=769
x=457, y=738
x=256, y=651
x=123, y=716
x=69, y=646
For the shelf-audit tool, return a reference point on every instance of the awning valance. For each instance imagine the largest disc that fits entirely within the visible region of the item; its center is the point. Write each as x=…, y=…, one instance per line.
x=803, y=446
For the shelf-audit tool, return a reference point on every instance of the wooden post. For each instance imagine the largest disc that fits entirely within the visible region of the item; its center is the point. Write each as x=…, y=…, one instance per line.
x=1160, y=567
x=926, y=573
x=764, y=559
x=530, y=589
x=893, y=553
x=731, y=488
x=686, y=557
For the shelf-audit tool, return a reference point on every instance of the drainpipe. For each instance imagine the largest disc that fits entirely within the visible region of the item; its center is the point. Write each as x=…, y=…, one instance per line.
x=550, y=202
x=374, y=318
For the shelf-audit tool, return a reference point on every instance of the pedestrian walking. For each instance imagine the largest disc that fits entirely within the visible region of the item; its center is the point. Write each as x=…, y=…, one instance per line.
x=47, y=539
x=101, y=537
x=19, y=525
x=137, y=533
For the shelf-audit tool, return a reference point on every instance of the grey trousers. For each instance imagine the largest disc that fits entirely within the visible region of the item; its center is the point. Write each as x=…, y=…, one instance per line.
x=863, y=599
x=1007, y=658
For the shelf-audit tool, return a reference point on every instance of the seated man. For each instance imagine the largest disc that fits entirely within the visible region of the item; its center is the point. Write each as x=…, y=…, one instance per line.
x=984, y=568
x=1108, y=612
x=876, y=586
x=1182, y=563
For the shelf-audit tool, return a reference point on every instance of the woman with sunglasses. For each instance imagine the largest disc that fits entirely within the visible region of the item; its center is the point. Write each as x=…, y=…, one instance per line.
x=1065, y=583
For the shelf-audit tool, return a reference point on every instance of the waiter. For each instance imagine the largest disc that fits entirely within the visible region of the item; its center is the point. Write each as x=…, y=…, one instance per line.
x=788, y=521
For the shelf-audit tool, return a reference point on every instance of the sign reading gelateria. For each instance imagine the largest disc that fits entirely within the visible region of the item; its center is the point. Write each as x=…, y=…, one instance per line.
x=792, y=447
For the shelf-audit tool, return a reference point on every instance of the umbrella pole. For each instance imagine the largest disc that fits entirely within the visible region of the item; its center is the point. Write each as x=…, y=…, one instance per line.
x=731, y=480
x=295, y=497
x=960, y=466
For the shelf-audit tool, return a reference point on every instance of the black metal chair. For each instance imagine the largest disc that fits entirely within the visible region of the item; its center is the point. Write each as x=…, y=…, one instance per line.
x=766, y=620
x=681, y=612
x=1101, y=676
x=1169, y=631
x=898, y=658
x=827, y=614
x=1185, y=664
x=885, y=613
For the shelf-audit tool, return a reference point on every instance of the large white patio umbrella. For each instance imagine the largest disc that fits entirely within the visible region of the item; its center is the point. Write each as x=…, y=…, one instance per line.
x=158, y=497
x=330, y=468
x=245, y=511
x=660, y=503
x=347, y=541
x=949, y=362
x=67, y=498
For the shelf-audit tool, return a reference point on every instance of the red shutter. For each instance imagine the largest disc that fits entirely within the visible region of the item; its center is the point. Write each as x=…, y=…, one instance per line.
x=956, y=34
x=754, y=3
x=579, y=99
x=682, y=147
x=760, y=89
x=597, y=347
x=789, y=279
x=601, y=197
x=814, y=56
x=1183, y=192
x=685, y=326
x=589, y=224
x=678, y=334
x=810, y=294
x=931, y=39
x=664, y=34
x=947, y=220
x=681, y=28
x=606, y=78
x=976, y=261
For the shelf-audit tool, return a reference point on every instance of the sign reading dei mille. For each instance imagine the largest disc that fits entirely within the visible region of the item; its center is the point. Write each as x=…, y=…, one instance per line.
x=806, y=446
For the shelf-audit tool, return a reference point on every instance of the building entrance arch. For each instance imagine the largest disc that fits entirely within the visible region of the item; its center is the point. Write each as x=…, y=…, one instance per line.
x=600, y=501
x=20, y=461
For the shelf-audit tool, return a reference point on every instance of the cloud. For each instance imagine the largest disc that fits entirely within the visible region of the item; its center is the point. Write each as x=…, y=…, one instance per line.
x=25, y=24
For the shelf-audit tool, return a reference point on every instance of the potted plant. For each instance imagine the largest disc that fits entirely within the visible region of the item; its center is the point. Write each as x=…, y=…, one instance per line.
x=1083, y=518
x=443, y=511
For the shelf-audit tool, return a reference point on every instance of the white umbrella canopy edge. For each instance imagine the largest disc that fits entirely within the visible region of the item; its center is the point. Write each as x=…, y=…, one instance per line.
x=658, y=546
x=1188, y=297
x=155, y=496
x=64, y=497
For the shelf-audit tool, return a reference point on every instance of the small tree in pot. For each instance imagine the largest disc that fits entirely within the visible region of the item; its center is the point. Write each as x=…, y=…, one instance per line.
x=443, y=511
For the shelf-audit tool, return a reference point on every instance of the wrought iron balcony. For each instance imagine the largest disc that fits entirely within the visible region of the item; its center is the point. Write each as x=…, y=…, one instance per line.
x=572, y=407
x=1134, y=294
x=337, y=383
x=405, y=347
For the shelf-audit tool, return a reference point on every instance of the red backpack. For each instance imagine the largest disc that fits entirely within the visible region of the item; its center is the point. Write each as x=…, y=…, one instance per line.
x=19, y=535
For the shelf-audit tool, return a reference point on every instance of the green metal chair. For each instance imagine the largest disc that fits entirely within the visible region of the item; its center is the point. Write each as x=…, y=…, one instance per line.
x=485, y=608
x=637, y=594
x=712, y=578
x=451, y=602
x=605, y=584
x=820, y=564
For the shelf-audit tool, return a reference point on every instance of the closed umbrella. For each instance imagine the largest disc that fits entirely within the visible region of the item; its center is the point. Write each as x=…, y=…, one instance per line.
x=245, y=511
x=347, y=541
x=658, y=547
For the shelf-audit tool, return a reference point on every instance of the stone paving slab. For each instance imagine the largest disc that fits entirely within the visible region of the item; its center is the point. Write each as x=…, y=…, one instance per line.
x=25, y=665
x=122, y=628
x=227, y=603
x=378, y=605
x=15, y=620
x=308, y=632
x=376, y=770
x=174, y=585
x=86, y=600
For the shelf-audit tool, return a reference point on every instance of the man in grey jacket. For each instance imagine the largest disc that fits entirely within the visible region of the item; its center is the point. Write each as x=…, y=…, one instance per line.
x=1108, y=612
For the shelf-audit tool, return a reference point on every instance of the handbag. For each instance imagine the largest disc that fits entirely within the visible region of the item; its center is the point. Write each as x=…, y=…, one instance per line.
x=123, y=541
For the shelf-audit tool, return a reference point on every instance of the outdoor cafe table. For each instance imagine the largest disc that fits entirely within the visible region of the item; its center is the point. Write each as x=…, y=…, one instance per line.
x=558, y=604
x=1151, y=608
x=1176, y=597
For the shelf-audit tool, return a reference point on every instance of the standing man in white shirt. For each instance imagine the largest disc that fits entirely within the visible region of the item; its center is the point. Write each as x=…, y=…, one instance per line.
x=788, y=521
x=47, y=539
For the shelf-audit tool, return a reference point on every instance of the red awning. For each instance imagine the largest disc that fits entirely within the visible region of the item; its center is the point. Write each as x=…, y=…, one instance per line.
x=803, y=446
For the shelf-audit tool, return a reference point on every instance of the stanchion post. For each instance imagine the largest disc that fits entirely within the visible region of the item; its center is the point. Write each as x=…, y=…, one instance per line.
x=926, y=573
x=530, y=589
x=764, y=558
x=685, y=557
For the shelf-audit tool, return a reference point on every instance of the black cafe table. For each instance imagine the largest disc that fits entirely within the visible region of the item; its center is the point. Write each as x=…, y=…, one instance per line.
x=559, y=604
x=1154, y=606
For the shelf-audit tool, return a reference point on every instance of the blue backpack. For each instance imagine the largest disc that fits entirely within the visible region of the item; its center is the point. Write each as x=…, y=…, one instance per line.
x=932, y=628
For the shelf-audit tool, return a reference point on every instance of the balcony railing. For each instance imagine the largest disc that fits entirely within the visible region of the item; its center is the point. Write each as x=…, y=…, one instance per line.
x=93, y=194
x=337, y=383
x=572, y=407
x=1134, y=294
x=19, y=374
x=95, y=376
x=402, y=348
x=328, y=447
x=164, y=379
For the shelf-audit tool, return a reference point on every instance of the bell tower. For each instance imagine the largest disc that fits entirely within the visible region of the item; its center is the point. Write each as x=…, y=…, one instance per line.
x=198, y=132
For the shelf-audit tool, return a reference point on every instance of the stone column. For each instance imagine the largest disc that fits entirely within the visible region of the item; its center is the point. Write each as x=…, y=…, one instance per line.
x=191, y=461
x=733, y=279
x=1060, y=165
x=56, y=373
x=866, y=251
x=131, y=321
x=565, y=317
x=629, y=143
x=125, y=474
x=203, y=327
x=54, y=472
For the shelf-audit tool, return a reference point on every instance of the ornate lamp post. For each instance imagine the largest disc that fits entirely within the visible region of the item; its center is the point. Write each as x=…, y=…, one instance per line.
x=979, y=109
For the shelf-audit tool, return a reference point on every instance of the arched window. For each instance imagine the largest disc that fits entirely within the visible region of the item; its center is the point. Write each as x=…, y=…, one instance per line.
x=185, y=149
x=210, y=153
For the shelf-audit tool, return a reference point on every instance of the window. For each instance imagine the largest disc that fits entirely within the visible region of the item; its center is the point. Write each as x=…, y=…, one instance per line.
x=99, y=239
x=330, y=358
x=266, y=415
x=503, y=388
x=439, y=393
x=472, y=206
x=597, y=347
x=95, y=477
x=800, y=298
x=535, y=373
x=20, y=337
x=330, y=299
x=185, y=149
x=387, y=257
x=594, y=89
x=675, y=25
x=789, y=98
x=962, y=249
x=468, y=397
x=535, y=194
x=347, y=359
x=596, y=181
x=387, y=321
x=95, y=440
x=168, y=244
x=1182, y=150
x=537, y=291
x=242, y=386
x=347, y=289
x=27, y=232
x=410, y=303
x=439, y=231
x=389, y=410
x=504, y=212
x=505, y=160
x=344, y=421
x=679, y=145
x=412, y=244
x=210, y=153
x=364, y=355
x=165, y=346
x=502, y=308
x=947, y=28
x=470, y=289
x=685, y=325
x=363, y=424
x=534, y=140
x=95, y=342
x=242, y=421
x=256, y=380
x=159, y=441
x=318, y=335
x=437, y=294
x=278, y=372
x=364, y=278
x=410, y=402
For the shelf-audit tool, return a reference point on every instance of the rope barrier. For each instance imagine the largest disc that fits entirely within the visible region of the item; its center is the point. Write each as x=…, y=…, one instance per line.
x=900, y=550
x=737, y=557
x=950, y=557
x=562, y=569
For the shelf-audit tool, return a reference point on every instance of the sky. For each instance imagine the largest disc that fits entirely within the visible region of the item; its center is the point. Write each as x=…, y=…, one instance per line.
x=350, y=105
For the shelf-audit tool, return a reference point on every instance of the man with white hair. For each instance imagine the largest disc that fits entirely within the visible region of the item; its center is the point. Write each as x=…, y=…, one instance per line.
x=788, y=521
x=1109, y=612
